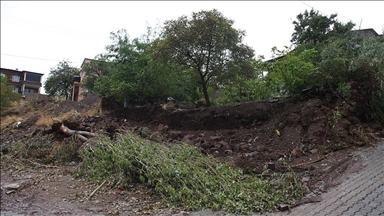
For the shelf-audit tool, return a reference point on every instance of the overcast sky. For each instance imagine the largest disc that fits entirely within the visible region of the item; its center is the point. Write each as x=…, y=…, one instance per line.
x=35, y=36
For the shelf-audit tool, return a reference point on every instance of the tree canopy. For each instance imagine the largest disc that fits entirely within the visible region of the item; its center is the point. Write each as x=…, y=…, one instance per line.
x=312, y=26
x=60, y=80
x=207, y=45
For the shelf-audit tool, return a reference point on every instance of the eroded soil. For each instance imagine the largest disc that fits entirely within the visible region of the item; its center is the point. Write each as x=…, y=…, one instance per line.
x=316, y=136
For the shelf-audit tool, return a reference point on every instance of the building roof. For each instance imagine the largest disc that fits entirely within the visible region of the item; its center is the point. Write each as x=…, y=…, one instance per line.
x=24, y=71
x=367, y=32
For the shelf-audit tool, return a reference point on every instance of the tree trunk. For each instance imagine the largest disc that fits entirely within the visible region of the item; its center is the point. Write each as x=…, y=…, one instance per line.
x=206, y=96
x=79, y=134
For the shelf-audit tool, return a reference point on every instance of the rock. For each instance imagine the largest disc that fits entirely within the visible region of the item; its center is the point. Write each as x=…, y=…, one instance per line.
x=214, y=137
x=160, y=127
x=297, y=152
x=223, y=143
x=343, y=124
x=314, y=151
x=261, y=148
x=174, y=134
x=206, y=145
x=243, y=147
x=187, y=137
x=251, y=154
x=283, y=207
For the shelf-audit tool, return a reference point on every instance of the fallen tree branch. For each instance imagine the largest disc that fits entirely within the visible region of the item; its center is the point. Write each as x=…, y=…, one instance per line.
x=79, y=134
x=43, y=165
x=93, y=192
x=307, y=163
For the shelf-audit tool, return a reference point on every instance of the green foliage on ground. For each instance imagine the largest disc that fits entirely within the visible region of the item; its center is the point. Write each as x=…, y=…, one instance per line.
x=184, y=177
x=7, y=96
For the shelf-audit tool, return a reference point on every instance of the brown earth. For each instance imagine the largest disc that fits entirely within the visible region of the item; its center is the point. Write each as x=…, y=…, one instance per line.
x=315, y=135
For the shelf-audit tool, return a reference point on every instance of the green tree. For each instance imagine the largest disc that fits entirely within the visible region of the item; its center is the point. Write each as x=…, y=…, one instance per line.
x=207, y=45
x=293, y=73
x=6, y=93
x=60, y=80
x=98, y=67
x=134, y=74
x=312, y=26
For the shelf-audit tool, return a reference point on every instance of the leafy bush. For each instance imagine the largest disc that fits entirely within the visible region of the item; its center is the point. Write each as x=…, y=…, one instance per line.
x=7, y=96
x=184, y=177
x=293, y=73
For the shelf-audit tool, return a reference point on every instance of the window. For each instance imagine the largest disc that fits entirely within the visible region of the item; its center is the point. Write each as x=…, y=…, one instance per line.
x=28, y=90
x=33, y=77
x=3, y=75
x=16, y=89
x=15, y=78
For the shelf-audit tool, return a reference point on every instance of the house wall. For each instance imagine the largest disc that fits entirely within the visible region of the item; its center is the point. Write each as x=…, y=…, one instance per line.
x=77, y=90
x=14, y=78
x=23, y=81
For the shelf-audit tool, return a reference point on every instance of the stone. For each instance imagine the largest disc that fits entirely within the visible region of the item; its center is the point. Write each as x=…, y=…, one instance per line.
x=261, y=148
x=214, y=137
x=174, y=134
x=283, y=207
x=297, y=152
x=314, y=151
x=343, y=124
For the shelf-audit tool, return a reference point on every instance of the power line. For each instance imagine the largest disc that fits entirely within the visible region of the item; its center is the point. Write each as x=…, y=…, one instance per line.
x=313, y=7
x=41, y=59
x=51, y=28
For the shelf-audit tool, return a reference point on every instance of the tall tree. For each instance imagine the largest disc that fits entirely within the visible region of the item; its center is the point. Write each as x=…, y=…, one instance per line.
x=209, y=46
x=312, y=26
x=60, y=80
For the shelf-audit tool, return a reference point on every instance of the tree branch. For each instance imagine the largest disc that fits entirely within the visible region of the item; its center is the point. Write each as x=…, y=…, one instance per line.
x=79, y=134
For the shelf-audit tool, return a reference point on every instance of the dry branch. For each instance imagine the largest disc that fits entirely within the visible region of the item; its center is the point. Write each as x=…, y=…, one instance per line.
x=307, y=163
x=79, y=134
x=94, y=191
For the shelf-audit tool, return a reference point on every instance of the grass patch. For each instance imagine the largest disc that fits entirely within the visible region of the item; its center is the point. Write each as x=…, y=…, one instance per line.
x=184, y=177
x=42, y=150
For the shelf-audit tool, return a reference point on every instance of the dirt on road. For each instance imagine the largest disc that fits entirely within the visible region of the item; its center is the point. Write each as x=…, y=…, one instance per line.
x=316, y=135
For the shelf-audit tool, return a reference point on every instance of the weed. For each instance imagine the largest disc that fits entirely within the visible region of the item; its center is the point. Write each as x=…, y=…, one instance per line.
x=42, y=150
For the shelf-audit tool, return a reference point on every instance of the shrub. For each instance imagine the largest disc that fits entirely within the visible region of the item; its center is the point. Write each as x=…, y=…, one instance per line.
x=7, y=96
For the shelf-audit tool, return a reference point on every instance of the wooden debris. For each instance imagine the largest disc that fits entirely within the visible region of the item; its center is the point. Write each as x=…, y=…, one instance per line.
x=79, y=134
